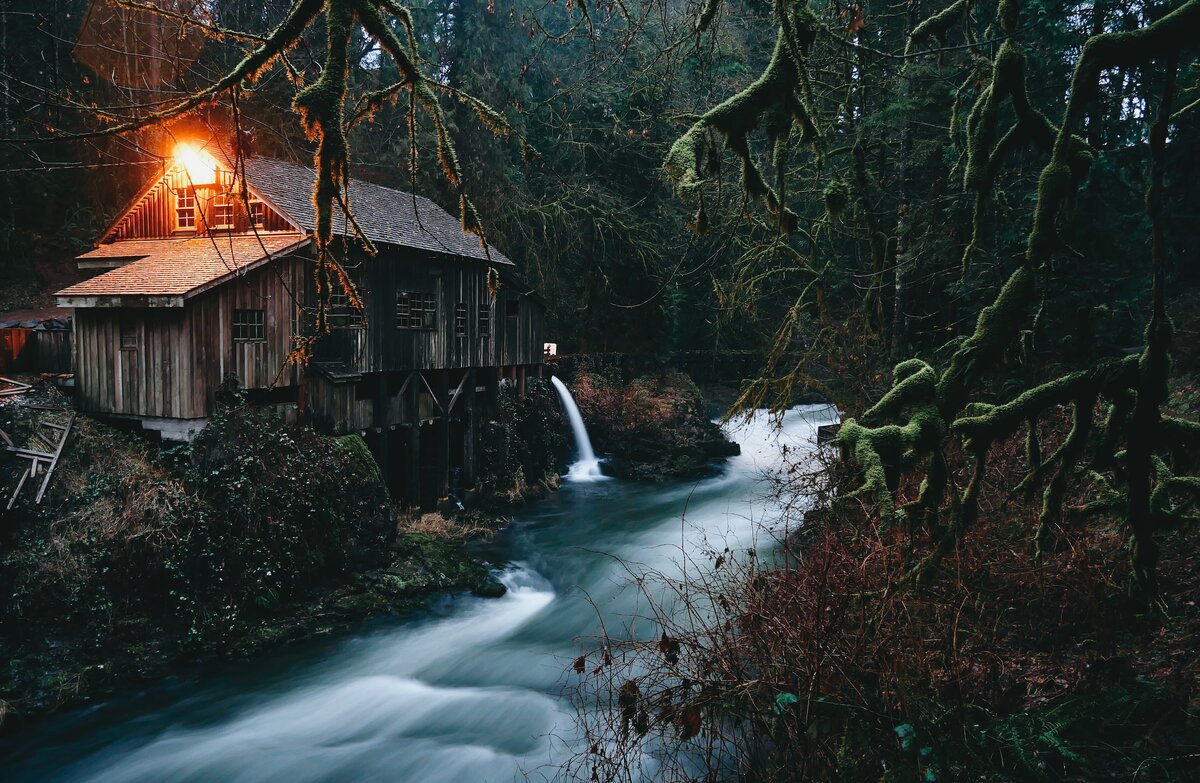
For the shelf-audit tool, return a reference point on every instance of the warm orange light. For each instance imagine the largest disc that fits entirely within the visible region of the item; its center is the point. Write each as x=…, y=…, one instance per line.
x=200, y=167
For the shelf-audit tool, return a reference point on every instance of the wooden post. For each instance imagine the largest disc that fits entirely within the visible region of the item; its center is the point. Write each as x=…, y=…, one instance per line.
x=470, y=431
x=522, y=371
x=442, y=477
x=412, y=490
x=383, y=455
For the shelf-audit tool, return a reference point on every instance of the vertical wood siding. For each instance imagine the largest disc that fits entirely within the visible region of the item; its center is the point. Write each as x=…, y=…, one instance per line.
x=154, y=215
x=381, y=346
x=181, y=355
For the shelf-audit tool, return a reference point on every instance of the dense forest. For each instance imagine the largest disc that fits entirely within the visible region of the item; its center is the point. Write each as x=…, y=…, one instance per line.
x=969, y=225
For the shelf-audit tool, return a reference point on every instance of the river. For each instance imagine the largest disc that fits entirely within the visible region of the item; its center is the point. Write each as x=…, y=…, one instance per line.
x=474, y=690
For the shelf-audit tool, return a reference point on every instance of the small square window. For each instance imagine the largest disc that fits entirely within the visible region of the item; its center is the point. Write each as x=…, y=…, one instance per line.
x=460, y=320
x=258, y=212
x=249, y=326
x=485, y=320
x=342, y=314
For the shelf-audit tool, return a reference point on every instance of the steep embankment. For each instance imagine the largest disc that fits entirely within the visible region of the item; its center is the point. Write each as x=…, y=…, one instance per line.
x=140, y=561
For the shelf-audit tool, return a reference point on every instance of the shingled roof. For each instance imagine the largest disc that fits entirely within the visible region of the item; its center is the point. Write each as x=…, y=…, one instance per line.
x=167, y=271
x=383, y=214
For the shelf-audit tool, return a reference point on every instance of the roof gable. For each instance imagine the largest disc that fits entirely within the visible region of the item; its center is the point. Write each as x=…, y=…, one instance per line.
x=384, y=215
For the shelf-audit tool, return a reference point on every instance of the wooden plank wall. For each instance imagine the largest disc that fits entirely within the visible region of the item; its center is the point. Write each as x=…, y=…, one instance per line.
x=154, y=377
x=257, y=365
x=181, y=355
x=381, y=346
x=154, y=215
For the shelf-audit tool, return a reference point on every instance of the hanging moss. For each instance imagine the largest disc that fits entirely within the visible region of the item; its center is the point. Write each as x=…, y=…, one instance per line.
x=777, y=99
x=837, y=196
x=938, y=25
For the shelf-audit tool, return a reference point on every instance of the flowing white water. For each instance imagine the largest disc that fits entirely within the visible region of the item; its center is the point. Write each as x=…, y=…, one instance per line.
x=474, y=691
x=587, y=467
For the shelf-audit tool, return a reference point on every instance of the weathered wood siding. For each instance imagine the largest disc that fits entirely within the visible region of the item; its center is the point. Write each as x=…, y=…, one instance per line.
x=382, y=346
x=175, y=358
x=154, y=214
x=257, y=365
x=153, y=375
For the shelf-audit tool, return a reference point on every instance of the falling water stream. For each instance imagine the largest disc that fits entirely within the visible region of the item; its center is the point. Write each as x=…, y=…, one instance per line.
x=587, y=467
x=473, y=690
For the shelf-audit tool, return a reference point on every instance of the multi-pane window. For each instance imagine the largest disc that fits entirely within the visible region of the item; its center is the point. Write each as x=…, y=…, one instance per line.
x=403, y=309
x=222, y=211
x=249, y=326
x=341, y=312
x=485, y=320
x=185, y=209
x=257, y=212
x=415, y=310
x=460, y=320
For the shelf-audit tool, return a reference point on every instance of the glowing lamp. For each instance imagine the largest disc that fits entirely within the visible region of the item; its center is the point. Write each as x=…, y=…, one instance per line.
x=200, y=167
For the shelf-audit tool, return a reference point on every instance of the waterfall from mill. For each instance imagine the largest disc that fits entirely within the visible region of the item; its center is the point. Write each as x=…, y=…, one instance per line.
x=587, y=467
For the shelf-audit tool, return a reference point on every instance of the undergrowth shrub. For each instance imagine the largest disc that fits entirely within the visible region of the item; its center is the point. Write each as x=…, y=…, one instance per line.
x=823, y=661
x=198, y=539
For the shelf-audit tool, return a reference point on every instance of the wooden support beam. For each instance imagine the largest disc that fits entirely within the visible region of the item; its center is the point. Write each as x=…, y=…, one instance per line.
x=442, y=465
x=471, y=432
x=383, y=456
x=412, y=467
x=457, y=392
x=436, y=400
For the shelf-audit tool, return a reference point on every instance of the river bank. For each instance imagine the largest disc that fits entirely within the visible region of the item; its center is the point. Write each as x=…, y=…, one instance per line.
x=473, y=689
x=146, y=562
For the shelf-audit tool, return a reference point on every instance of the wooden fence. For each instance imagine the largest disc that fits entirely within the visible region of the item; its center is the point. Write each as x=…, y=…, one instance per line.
x=35, y=350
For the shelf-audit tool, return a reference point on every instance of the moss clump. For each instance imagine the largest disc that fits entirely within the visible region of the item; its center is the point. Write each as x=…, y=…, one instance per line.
x=837, y=197
x=777, y=98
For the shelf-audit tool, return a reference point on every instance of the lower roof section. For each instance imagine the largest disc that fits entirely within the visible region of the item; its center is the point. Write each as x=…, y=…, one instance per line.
x=166, y=272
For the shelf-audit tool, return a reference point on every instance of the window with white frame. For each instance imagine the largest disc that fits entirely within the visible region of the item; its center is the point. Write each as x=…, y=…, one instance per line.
x=222, y=211
x=185, y=209
x=460, y=320
x=485, y=320
x=258, y=212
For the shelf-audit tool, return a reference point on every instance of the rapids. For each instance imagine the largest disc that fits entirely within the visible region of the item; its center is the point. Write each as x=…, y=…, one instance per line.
x=473, y=690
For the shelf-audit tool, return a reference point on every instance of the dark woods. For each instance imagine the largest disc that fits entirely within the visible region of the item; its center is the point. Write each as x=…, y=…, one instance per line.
x=968, y=224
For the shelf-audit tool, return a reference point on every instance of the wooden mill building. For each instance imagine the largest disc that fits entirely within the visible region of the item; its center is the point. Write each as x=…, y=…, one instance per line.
x=197, y=285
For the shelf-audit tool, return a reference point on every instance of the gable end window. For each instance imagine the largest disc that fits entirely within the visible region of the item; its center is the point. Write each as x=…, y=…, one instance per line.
x=460, y=320
x=512, y=308
x=185, y=209
x=257, y=212
x=485, y=320
x=249, y=326
x=222, y=211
